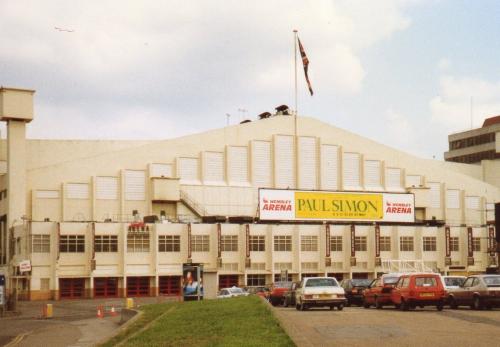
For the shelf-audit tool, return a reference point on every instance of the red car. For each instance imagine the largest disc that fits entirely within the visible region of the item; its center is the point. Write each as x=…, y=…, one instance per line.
x=379, y=291
x=414, y=290
x=278, y=291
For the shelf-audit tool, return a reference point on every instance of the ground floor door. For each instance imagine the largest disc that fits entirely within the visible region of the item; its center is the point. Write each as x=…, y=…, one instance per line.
x=106, y=287
x=72, y=288
x=137, y=286
x=226, y=281
x=170, y=285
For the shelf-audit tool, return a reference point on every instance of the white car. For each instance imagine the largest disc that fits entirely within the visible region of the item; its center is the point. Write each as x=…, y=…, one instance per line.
x=231, y=293
x=319, y=292
x=452, y=282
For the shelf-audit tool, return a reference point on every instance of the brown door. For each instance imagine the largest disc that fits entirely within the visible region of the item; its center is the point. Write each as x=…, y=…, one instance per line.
x=72, y=288
x=170, y=285
x=227, y=281
x=137, y=286
x=106, y=287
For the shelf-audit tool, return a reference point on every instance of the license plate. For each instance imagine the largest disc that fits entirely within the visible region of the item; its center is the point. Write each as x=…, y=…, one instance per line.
x=325, y=295
x=427, y=294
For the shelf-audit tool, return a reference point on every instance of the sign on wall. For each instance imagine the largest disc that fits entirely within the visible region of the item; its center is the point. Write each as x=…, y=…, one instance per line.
x=25, y=266
x=281, y=204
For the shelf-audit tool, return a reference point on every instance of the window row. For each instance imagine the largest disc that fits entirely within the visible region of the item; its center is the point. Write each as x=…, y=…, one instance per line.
x=137, y=242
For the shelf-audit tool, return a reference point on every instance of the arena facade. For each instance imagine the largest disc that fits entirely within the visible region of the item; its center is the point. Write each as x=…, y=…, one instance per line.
x=84, y=219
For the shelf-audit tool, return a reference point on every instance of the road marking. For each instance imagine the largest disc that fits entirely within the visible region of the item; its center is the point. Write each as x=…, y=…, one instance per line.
x=18, y=339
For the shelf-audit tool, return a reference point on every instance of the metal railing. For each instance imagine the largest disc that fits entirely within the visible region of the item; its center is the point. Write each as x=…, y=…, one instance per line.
x=403, y=266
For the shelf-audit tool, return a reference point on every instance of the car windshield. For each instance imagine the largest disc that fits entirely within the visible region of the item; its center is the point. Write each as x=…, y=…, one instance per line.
x=236, y=290
x=492, y=281
x=361, y=282
x=321, y=282
x=453, y=281
x=390, y=280
x=283, y=285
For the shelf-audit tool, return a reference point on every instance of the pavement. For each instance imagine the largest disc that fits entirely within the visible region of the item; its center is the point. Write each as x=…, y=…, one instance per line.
x=75, y=322
x=355, y=326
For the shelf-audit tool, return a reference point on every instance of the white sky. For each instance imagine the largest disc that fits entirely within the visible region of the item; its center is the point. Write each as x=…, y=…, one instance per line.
x=400, y=72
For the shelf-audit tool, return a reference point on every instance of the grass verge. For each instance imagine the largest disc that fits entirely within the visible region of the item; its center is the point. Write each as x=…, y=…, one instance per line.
x=243, y=321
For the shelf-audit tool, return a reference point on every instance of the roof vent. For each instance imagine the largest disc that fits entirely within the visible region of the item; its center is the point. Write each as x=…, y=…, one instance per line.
x=282, y=110
x=264, y=115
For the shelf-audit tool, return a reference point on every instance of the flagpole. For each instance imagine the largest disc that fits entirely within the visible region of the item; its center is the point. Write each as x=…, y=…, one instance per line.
x=295, y=138
x=295, y=59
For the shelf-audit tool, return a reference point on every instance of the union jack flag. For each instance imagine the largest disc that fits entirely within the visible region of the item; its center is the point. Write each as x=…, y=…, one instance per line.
x=305, y=62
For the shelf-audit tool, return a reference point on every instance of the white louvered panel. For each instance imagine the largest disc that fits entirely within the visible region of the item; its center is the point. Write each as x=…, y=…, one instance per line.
x=188, y=170
x=161, y=170
x=284, y=162
x=372, y=174
x=3, y=167
x=351, y=170
x=307, y=163
x=329, y=167
x=237, y=165
x=435, y=194
x=452, y=198
x=47, y=194
x=393, y=179
x=472, y=202
x=213, y=167
x=135, y=185
x=413, y=180
x=106, y=188
x=77, y=191
x=261, y=164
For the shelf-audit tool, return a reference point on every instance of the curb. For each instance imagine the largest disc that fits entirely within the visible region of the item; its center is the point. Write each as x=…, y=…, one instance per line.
x=123, y=327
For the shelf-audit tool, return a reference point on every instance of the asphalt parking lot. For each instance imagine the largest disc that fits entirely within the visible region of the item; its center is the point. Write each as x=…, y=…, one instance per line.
x=356, y=326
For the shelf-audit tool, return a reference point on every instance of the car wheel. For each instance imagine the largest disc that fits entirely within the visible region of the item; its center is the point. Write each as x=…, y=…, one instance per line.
x=302, y=306
x=378, y=304
x=439, y=306
x=404, y=306
x=453, y=303
x=340, y=307
x=476, y=304
x=297, y=307
x=366, y=304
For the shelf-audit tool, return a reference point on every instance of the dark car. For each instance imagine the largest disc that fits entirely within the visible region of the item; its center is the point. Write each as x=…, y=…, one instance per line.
x=478, y=292
x=278, y=291
x=354, y=290
x=290, y=295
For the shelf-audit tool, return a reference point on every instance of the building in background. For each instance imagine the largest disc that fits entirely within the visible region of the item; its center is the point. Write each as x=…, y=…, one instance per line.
x=121, y=218
x=479, y=146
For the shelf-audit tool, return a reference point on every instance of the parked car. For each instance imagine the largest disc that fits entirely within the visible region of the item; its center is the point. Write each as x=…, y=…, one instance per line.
x=379, y=291
x=452, y=282
x=319, y=292
x=419, y=289
x=354, y=290
x=260, y=291
x=478, y=292
x=231, y=293
x=290, y=295
x=278, y=291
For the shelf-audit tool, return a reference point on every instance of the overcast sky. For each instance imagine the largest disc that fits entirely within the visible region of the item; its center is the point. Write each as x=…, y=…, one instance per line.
x=399, y=72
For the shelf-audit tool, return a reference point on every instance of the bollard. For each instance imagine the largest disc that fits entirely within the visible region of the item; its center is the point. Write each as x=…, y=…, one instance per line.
x=113, y=311
x=100, y=313
x=130, y=303
x=49, y=312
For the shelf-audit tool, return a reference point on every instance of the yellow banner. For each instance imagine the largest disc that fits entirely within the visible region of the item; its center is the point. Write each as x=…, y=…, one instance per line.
x=338, y=205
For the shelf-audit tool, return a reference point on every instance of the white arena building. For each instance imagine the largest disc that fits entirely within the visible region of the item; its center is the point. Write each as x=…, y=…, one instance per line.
x=70, y=211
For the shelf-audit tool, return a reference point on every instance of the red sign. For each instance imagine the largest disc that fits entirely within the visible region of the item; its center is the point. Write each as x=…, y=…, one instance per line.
x=447, y=241
x=219, y=236
x=491, y=241
x=377, y=240
x=353, y=240
x=189, y=240
x=247, y=238
x=328, y=250
x=470, y=247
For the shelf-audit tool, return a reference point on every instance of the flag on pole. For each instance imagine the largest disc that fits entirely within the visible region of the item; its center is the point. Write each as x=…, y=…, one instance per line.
x=305, y=62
